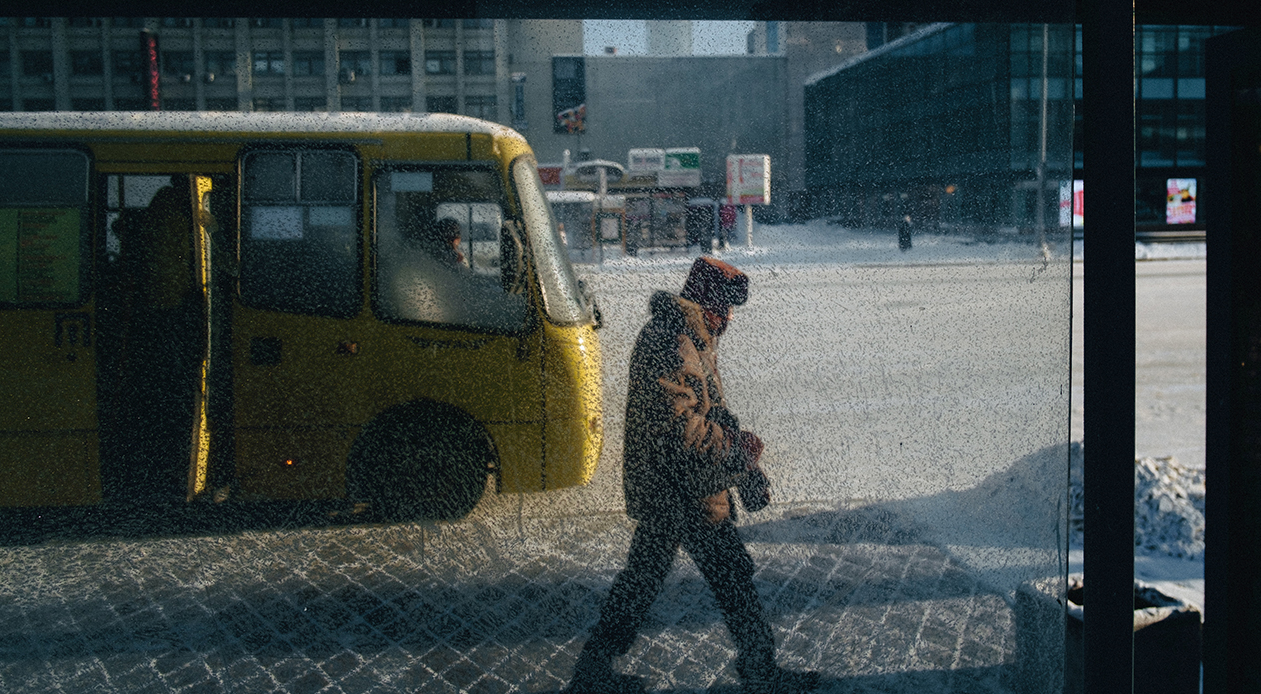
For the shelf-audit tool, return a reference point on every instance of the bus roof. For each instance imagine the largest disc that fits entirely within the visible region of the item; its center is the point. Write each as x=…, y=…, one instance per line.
x=237, y=122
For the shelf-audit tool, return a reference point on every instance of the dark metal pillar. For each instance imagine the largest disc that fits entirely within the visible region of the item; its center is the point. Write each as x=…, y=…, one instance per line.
x=1108, y=173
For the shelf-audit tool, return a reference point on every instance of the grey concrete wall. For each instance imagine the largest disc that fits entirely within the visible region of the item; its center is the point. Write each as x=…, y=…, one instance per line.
x=721, y=104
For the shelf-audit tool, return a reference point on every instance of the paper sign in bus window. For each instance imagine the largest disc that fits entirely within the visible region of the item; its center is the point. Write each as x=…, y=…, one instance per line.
x=39, y=255
x=330, y=216
x=276, y=223
x=411, y=181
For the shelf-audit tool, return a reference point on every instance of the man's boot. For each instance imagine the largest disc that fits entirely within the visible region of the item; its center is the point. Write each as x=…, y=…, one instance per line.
x=769, y=678
x=594, y=674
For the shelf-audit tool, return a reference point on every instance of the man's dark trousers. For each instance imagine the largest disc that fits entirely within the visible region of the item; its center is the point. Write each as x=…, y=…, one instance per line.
x=724, y=562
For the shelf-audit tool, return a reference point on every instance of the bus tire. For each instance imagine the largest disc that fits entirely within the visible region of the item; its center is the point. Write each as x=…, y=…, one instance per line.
x=420, y=461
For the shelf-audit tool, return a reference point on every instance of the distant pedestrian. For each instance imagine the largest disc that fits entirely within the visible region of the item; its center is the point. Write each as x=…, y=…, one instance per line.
x=683, y=452
x=904, y=233
x=726, y=225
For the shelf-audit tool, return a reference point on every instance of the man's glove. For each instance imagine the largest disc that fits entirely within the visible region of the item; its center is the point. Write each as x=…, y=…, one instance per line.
x=754, y=487
x=751, y=445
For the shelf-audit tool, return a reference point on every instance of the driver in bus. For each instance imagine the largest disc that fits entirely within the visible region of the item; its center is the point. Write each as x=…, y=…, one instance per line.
x=447, y=234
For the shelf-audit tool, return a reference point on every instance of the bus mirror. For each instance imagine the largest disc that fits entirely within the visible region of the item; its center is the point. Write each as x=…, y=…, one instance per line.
x=589, y=297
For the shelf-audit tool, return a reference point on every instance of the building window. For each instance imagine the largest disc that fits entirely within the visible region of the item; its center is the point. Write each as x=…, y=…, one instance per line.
x=394, y=23
x=519, y=121
x=218, y=23
x=267, y=23
x=269, y=104
x=396, y=104
x=86, y=63
x=310, y=103
x=86, y=22
x=479, y=24
x=177, y=63
x=6, y=105
x=177, y=22
x=308, y=63
x=37, y=23
x=37, y=64
x=569, y=91
x=481, y=107
x=179, y=104
x=438, y=23
x=39, y=105
x=356, y=103
x=440, y=62
x=396, y=62
x=127, y=22
x=440, y=104
x=220, y=64
x=221, y=104
x=125, y=104
x=90, y=104
x=355, y=64
x=269, y=62
x=352, y=23
x=127, y=63
x=307, y=23
x=479, y=62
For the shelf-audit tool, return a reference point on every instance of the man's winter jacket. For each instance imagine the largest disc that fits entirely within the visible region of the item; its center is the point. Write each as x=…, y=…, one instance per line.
x=681, y=452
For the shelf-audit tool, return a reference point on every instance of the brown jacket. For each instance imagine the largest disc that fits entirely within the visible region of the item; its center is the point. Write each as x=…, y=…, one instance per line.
x=680, y=453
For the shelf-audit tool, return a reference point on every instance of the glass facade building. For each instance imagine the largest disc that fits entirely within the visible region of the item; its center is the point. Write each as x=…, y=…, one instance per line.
x=871, y=117
x=959, y=126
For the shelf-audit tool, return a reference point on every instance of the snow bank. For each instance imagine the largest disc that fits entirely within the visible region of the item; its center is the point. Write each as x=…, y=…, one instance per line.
x=1168, y=506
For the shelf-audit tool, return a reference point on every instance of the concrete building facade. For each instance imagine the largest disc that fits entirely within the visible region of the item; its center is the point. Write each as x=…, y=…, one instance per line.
x=466, y=66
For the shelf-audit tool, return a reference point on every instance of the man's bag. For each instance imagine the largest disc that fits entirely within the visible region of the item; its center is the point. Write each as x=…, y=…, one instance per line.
x=755, y=490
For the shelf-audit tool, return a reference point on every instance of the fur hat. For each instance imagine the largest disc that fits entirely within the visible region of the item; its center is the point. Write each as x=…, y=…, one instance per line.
x=715, y=285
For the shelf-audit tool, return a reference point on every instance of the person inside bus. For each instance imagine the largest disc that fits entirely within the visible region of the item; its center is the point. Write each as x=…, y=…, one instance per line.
x=447, y=235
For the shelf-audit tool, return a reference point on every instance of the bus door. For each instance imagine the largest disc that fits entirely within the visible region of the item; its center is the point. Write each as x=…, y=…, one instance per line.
x=296, y=340
x=154, y=334
x=48, y=424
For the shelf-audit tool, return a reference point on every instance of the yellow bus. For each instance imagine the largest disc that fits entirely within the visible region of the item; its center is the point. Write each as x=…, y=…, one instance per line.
x=376, y=308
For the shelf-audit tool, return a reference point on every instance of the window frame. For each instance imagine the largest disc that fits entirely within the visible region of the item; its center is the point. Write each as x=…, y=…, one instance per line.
x=511, y=212
x=88, y=223
x=358, y=207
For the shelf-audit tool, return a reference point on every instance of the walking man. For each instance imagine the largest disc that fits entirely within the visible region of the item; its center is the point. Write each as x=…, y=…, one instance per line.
x=683, y=451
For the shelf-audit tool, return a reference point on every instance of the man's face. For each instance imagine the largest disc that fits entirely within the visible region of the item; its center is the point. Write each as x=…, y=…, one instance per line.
x=716, y=321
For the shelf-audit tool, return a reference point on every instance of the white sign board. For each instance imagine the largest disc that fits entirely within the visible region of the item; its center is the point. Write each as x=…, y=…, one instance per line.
x=646, y=160
x=682, y=169
x=748, y=179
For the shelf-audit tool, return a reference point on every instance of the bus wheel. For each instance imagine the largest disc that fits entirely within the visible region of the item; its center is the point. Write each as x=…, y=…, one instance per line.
x=420, y=461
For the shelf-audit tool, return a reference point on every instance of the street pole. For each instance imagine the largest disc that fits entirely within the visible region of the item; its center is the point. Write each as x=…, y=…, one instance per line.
x=748, y=225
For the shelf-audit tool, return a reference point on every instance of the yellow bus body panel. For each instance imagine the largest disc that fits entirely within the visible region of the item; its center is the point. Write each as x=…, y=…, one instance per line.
x=575, y=418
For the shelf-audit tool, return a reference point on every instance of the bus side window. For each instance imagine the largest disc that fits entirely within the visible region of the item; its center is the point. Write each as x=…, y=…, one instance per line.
x=43, y=247
x=439, y=248
x=300, y=232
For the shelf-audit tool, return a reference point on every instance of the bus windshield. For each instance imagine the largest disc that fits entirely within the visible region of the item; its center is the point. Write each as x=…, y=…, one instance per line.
x=562, y=299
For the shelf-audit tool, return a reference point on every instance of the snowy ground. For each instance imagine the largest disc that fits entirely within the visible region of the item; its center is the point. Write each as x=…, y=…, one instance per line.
x=1169, y=494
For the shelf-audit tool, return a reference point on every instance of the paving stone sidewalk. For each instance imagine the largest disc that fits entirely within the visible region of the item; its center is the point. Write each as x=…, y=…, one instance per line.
x=484, y=606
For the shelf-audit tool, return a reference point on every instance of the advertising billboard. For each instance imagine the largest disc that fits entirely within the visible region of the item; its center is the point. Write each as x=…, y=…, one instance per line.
x=1180, y=201
x=1078, y=199
x=748, y=179
x=682, y=168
